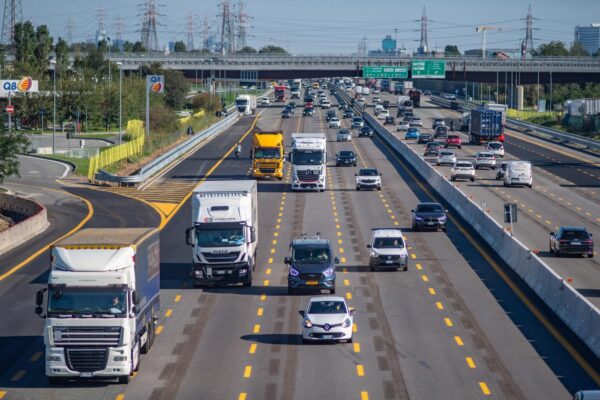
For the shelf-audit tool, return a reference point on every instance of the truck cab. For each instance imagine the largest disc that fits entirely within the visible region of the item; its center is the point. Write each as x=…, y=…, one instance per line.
x=309, y=161
x=245, y=104
x=268, y=155
x=311, y=265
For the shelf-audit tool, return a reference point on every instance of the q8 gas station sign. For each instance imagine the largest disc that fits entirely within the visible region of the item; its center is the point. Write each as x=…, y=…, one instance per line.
x=23, y=85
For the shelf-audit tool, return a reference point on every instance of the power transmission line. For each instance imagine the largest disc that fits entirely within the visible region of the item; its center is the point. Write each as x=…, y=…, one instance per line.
x=13, y=14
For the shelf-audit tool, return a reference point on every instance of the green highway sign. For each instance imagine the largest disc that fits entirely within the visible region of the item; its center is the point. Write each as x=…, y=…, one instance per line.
x=385, y=72
x=429, y=69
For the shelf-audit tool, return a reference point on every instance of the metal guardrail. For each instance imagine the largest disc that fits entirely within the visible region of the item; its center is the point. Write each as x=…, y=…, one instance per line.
x=161, y=162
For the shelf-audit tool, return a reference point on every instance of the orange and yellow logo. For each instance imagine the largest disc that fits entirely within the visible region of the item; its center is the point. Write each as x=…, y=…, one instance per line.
x=25, y=84
x=156, y=87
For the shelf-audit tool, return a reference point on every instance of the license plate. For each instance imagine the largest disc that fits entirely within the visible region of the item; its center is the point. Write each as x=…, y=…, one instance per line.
x=575, y=243
x=431, y=223
x=220, y=272
x=208, y=271
x=327, y=337
x=389, y=262
x=312, y=283
x=86, y=375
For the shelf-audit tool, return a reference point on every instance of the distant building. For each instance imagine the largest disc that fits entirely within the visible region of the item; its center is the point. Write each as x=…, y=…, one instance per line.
x=589, y=37
x=494, y=53
x=388, y=45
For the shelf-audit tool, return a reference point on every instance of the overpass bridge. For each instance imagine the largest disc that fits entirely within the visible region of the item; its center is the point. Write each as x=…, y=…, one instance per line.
x=529, y=71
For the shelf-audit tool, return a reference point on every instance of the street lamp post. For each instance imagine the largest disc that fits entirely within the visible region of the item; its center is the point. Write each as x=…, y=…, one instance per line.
x=53, y=62
x=120, y=65
x=109, y=42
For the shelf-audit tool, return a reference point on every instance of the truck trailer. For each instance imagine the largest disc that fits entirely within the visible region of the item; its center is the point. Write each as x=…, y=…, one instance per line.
x=268, y=155
x=415, y=97
x=485, y=126
x=103, y=303
x=223, y=235
x=279, y=93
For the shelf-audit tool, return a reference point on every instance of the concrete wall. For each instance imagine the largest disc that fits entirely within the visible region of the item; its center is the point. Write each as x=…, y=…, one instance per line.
x=36, y=223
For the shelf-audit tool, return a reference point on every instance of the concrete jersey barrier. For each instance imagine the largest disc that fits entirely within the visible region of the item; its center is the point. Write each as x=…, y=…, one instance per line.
x=33, y=225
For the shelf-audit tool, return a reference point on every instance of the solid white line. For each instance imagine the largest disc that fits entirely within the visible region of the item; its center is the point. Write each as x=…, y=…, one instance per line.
x=67, y=166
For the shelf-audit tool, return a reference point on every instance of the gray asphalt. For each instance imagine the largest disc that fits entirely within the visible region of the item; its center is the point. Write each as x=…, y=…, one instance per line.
x=407, y=336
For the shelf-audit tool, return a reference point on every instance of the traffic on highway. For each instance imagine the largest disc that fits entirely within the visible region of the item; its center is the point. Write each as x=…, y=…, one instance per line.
x=301, y=254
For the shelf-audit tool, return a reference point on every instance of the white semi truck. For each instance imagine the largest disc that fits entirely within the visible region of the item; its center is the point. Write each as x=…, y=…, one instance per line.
x=309, y=161
x=246, y=103
x=103, y=303
x=223, y=234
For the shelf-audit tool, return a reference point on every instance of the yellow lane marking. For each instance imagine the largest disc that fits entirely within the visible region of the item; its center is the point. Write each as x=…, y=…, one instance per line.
x=177, y=298
x=247, y=371
x=343, y=260
x=274, y=241
x=256, y=328
x=458, y=341
x=413, y=256
x=275, y=234
x=2, y=394
x=270, y=260
x=346, y=282
x=168, y=313
x=484, y=388
x=548, y=222
x=431, y=291
x=18, y=375
x=360, y=370
x=551, y=328
x=448, y=322
x=339, y=233
x=272, y=251
x=356, y=347
x=165, y=208
x=268, y=271
x=260, y=311
x=159, y=329
x=242, y=396
x=266, y=282
x=364, y=395
x=419, y=266
x=425, y=278
x=252, y=348
x=36, y=356
x=120, y=396
x=340, y=241
x=263, y=296
x=277, y=226
x=349, y=295
x=439, y=305
x=354, y=328
x=341, y=250
x=35, y=255
x=470, y=362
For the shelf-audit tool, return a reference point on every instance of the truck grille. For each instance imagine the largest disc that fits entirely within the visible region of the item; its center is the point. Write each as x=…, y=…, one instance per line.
x=86, y=360
x=267, y=170
x=221, y=258
x=311, y=276
x=87, y=336
x=306, y=176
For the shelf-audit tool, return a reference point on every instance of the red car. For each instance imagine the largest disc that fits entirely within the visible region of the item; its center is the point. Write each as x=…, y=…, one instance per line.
x=453, y=140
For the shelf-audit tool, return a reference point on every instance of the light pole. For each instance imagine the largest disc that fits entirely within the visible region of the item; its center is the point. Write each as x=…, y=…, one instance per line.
x=53, y=62
x=109, y=42
x=120, y=65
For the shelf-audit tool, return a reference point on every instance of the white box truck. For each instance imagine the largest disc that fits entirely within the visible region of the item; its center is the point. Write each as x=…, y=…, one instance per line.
x=246, y=104
x=223, y=234
x=103, y=302
x=309, y=161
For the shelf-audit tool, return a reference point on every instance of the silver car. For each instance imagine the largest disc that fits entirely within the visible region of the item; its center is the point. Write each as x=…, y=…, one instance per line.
x=485, y=159
x=445, y=157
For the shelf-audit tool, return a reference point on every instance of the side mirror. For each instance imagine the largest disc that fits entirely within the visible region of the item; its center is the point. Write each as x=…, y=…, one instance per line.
x=39, y=310
x=302, y=313
x=412, y=211
x=135, y=298
x=39, y=297
x=136, y=309
x=446, y=211
x=551, y=233
x=336, y=260
x=189, y=237
x=286, y=260
x=368, y=246
x=252, y=234
x=355, y=174
x=352, y=311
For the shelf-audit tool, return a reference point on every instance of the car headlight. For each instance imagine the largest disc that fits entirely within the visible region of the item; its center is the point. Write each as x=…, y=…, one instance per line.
x=328, y=271
x=293, y=272
x=346, y=323
x=442, y=218
x=119, y=358
x=374, y=254
x=418, y=218
x=307, y=323
x=53, y=358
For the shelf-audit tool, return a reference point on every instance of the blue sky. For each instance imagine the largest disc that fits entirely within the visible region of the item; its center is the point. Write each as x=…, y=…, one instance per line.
x=331, y=26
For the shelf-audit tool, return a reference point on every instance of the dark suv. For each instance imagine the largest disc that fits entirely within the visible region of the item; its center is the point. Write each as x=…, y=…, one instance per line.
x=429, y=215
x=345, y=157
x=571, y=240
x=365, y=131
x=330, y=114
x=311, y=265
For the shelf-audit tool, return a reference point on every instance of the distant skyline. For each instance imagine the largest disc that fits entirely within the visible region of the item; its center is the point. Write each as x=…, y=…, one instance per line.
x=333, y=26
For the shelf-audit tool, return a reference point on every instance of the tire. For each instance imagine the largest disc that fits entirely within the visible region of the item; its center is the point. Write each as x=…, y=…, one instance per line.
x=304, y=341
x=405, y=268
x=332, y=291
x=349, y=340
x=358, y=188
x=150, y=339
x=291, y=291
x=124, y=379
x=459, y=147
x=379, y=188
x=452, y=178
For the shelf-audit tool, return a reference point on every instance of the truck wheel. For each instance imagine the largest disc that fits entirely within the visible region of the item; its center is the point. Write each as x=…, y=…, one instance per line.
x=332, y=291
x=149, y=338
x=124, y=379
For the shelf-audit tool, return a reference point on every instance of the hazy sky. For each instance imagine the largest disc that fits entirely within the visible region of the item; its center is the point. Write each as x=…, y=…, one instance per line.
x=330, y=26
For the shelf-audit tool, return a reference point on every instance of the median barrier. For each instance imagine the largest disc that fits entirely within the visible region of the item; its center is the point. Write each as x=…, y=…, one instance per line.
x=35, y=223
x=573, y=309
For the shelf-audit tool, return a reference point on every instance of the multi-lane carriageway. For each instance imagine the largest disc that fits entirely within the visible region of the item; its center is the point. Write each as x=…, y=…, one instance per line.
x=447, y=328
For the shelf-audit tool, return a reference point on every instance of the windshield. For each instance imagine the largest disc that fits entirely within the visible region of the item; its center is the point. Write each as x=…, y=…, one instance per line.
x=303, y=157
x=357, y=120
x=388, y=243
x=311, y=255
x=220, y=237
x=241, y=102
x=106, y=301
x=495, y=146
x=368, y=172
x=429, y=208
x=327, y=307
x=574, y=235
x=266, y=152
x=346, y=154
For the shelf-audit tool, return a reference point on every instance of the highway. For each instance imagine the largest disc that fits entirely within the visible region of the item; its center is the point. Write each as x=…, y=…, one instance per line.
x=446, y=328
x=565, y=193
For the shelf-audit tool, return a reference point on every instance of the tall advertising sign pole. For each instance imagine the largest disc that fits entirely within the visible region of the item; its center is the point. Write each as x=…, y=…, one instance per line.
x=154, y=84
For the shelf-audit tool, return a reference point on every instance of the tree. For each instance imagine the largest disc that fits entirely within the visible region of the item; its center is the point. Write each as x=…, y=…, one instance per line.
x=127, y=46
x=43, y=47
x=247, y=50
x=10, y=147
x=179, y=47
x=451, y=50
x=176, y=88
x=596, y=54
x=95, y=57
x=577, y=50
x=138, y=47
x=272, y=50
x=25, y=41
x=553, y=49
x=61, y=50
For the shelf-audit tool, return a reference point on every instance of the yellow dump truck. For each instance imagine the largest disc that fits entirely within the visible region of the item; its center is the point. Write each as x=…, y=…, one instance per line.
x=268, y=155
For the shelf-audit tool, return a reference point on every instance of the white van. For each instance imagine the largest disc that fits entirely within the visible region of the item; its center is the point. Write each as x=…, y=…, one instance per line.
x=518, y=173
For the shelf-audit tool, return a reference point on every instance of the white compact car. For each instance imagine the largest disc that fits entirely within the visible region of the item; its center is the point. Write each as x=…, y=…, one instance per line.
x=388, y=249
x=496, y=148
x=376, y=99
x=402, y=126
x=416, y=122
x=463, y=170
x=265, y=101
x=445, y=157
x=485, y=159
x=344, y=135
x=383, y=114
x=325, y=104
x=518, y=173
x=335, y=123
x=368, y=178
x=327, y=318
